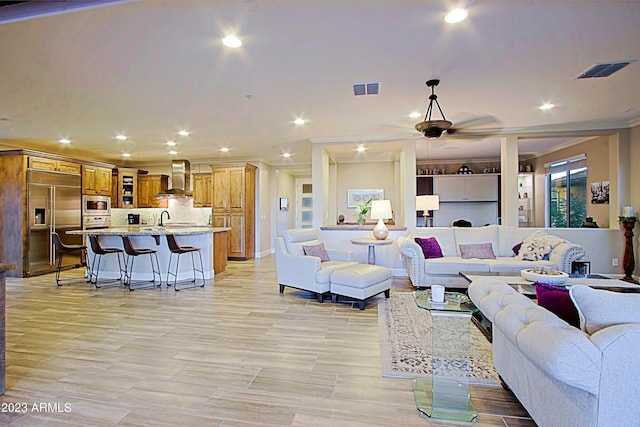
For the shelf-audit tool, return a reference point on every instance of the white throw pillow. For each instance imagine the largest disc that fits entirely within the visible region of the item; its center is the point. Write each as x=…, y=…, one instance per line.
x=537, y=245
x=599, y=308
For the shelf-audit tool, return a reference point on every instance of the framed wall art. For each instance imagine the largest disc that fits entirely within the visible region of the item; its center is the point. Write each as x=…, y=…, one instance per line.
x=355, y=197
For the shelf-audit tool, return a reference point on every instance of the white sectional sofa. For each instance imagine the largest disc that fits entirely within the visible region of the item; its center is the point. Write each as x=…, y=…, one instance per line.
x=425, y=272
x=562, y=375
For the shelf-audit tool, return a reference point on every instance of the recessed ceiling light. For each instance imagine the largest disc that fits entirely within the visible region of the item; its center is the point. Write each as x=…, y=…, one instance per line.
x=455, y=16
x=126, y=155
x=286, y=155
x=415, y=115
x=171, y=143
x=361, y=149
x=121, y=137
x=546, y=106
x=232, y=41
x=64, y=141
x=183, y=133
x=224, y=149
x=299, y=121
x=173, y=152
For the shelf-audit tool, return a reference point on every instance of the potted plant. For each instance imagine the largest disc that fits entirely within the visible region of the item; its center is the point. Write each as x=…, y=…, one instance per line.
x=362, y=210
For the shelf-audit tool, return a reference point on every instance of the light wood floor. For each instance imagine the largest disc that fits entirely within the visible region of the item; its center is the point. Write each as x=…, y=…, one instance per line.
x=235, y=353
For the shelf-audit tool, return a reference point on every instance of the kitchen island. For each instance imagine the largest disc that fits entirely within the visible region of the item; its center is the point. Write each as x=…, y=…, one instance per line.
x=211, y=240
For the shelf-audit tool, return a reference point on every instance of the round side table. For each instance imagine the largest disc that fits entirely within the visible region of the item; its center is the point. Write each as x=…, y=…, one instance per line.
x=372, y=243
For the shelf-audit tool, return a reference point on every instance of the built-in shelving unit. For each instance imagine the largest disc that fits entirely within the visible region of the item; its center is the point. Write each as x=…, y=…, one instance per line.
x=526, y=206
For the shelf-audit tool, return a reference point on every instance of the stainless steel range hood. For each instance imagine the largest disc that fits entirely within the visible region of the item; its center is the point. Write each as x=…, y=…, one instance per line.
x=180, y=180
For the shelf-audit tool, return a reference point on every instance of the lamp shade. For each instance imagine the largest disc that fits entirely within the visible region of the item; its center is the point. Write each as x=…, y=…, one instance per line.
x=381, y=209
x=427, y=203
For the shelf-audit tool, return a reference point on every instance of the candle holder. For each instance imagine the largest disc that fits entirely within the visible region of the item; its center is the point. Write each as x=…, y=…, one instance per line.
x=628, y=261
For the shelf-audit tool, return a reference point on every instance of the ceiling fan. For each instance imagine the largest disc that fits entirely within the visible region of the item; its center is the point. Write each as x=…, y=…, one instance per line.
x=435, y=128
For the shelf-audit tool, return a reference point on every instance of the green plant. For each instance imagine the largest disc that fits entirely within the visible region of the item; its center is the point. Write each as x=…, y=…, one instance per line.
x=362, y=210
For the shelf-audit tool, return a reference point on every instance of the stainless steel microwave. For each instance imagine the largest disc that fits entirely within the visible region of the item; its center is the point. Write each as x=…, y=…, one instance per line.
x=96, y=205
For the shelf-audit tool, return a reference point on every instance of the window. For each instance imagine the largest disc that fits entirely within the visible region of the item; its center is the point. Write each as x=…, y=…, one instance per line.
x=567, y=192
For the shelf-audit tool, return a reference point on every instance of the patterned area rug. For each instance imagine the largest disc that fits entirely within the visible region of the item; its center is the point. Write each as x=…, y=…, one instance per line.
x=405, y=343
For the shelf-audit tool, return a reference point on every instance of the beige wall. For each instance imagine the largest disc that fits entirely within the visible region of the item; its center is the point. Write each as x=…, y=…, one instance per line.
x=286, y=187
x=634, y=187
x=597, y=152
x=355, y=176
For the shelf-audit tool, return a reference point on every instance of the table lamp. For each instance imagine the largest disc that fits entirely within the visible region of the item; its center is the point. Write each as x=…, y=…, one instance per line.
x=426, y=204
x=381, y=210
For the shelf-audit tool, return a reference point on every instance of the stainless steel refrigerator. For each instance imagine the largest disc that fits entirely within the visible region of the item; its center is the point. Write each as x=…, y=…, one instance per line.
x=53, y=204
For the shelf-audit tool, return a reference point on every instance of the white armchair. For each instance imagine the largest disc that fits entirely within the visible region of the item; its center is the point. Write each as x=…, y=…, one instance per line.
x=300, y=271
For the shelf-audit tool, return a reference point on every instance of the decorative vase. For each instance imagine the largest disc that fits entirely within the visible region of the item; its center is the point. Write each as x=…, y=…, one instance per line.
x=361, y=220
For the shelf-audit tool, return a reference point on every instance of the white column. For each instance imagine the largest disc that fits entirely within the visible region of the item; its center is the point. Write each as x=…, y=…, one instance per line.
x=619, y=175
x=407, y=197
x=320, y=184
x=509, y=182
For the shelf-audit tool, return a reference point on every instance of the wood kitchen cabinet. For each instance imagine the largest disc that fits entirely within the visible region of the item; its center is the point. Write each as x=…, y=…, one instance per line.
x=17, y=215
x=53, y=165
x=96, y=180
x=125, y=188
x=202, y=190
x=233, y=205
x=148, y=187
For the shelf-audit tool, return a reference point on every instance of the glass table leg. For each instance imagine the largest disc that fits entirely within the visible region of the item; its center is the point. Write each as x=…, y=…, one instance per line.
x=446, y=394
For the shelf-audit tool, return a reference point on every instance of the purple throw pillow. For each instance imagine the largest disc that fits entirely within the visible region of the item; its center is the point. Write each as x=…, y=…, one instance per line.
x=516, y=248
x=556, y=299
x=316, y=250
x=430, y=247
x=476, y=250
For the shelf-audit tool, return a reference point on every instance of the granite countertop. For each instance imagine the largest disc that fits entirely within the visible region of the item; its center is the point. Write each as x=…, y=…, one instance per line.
x=151, y=231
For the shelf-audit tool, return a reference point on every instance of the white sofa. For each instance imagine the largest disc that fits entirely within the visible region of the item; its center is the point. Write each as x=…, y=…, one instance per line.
x=562, y=375
x=445, y=271
x=297, y=270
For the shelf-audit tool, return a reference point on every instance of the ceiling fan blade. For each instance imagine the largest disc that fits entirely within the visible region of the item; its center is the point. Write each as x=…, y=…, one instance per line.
x=475, y=128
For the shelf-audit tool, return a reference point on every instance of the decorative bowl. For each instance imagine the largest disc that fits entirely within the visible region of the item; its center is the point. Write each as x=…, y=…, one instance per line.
x=551, y=278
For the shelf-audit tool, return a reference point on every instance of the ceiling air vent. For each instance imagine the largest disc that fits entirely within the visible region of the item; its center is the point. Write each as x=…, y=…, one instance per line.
x=604, y=69
x=366, y=89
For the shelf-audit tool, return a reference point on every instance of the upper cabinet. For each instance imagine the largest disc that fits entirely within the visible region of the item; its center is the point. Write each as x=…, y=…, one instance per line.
x=466, y=188
x=148, y=187
x=96, y=180
x=53, y=165
x=471, y=197
x=125, y=190
x=202, y=190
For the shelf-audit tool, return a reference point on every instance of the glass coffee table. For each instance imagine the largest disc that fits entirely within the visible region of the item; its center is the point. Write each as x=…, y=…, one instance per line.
x=446, y=394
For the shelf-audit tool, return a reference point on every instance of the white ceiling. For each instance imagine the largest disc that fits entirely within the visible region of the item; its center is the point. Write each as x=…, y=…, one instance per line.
x=149, y=68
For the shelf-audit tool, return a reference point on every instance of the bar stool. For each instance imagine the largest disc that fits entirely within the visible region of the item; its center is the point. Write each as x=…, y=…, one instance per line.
x=179, y=250
x=98, y=253
x=132, y=253
x=63, y=249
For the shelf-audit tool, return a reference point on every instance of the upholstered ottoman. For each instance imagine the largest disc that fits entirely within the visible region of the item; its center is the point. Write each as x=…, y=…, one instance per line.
x=360, y=281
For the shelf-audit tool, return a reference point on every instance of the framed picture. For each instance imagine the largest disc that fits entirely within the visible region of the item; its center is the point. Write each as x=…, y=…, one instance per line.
x=284, y=203
x=355, y=197
x=600, y=192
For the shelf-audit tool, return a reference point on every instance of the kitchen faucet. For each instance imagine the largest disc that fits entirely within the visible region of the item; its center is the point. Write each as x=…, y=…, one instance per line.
x=161, y=214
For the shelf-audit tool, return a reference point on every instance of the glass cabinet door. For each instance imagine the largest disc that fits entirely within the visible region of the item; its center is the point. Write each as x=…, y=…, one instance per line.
x=304, y=204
